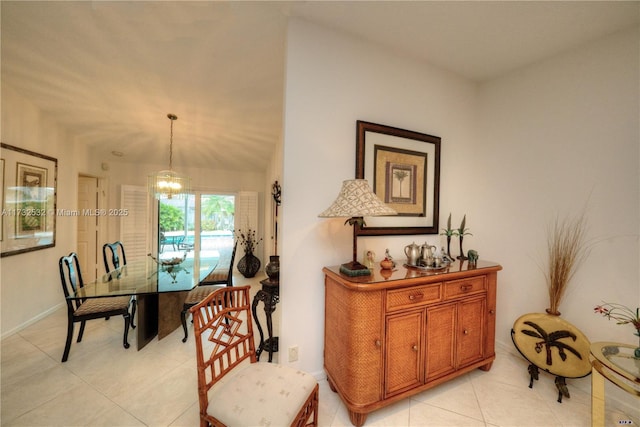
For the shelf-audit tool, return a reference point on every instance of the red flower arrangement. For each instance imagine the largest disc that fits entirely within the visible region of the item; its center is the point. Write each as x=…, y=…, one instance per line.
x=621, y=314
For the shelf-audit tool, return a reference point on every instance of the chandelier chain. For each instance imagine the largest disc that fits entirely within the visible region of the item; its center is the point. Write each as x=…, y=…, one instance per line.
x=172, y=117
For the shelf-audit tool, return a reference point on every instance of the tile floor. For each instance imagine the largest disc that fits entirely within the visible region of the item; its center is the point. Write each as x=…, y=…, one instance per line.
x=102, y=384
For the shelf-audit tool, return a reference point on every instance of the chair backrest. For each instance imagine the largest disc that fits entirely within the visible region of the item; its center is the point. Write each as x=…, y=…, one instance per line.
x=70, y=278
x=233, y=258
x=223, y=334
x=110, y=251
x=218, y=276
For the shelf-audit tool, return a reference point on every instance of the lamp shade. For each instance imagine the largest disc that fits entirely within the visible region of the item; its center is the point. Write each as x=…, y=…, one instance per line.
x=356, y=199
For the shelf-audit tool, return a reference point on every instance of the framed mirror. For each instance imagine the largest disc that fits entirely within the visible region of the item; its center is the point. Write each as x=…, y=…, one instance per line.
x=403, y=169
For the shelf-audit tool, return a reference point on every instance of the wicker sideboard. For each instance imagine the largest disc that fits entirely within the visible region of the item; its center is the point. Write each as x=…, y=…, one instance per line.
x=396, y=333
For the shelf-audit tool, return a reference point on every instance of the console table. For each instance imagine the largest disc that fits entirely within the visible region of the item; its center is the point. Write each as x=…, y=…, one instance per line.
x=270, y=296
x=396, y=333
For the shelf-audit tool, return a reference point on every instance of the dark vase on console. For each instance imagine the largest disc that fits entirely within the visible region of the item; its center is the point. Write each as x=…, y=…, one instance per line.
x=249, y=265
x=273, y=268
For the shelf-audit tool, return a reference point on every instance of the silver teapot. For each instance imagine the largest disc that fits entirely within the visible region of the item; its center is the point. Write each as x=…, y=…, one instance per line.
x=412, y=252
x=426, y=253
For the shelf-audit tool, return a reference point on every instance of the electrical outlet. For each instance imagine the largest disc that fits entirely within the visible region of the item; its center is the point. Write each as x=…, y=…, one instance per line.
x=293, y=353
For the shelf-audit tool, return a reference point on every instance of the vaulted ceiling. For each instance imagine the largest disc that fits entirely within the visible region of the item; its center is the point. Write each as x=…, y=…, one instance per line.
x=109, y=72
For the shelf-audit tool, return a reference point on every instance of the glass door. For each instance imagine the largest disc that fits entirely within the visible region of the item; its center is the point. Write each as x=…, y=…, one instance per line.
x=217, y=214
x=176, y=225
x=211, y=214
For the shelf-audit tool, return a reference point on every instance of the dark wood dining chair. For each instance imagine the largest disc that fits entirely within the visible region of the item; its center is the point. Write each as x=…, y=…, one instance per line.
x=232, y=392
x=114, y=257
x=218, y=278
x=89, y=308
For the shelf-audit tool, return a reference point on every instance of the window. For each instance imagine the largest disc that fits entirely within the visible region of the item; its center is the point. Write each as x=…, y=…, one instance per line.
x=213, y=215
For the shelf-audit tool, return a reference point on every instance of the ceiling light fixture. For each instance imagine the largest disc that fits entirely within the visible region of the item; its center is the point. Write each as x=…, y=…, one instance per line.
x=167, y=184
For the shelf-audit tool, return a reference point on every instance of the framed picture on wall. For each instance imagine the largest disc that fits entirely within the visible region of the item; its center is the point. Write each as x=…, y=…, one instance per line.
x=403, y=169
x=28, y=200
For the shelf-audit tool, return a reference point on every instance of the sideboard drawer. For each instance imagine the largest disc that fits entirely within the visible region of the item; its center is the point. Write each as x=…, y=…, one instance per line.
x=416, y=296
x=470, y=286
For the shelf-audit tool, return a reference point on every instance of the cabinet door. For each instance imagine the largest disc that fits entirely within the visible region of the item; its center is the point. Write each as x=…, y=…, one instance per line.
x=403, y=351
x=471, y=330
x=440, y=342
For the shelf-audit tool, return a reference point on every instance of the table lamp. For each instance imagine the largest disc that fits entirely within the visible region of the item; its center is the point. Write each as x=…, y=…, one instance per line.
x=355, y=201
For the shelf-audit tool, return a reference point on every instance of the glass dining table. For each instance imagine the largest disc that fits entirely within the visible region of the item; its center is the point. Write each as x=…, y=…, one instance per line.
x=618, y=364
x=160, y=287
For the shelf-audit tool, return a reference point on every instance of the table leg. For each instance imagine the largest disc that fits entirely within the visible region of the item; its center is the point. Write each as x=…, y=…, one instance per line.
x=147, y=319
x=169, y=308
x=260, y=296
x=597, y=398
x=268, y=310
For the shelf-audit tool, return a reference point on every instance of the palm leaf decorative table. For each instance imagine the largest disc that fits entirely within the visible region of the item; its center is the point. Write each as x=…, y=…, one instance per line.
x=554, y=345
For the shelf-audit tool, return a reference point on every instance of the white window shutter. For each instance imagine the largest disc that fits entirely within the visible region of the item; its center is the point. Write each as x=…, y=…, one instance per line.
x=134, y=225
x=246, y=215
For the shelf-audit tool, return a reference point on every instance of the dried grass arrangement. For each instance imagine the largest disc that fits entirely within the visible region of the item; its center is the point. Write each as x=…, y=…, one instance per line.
x=568, y=249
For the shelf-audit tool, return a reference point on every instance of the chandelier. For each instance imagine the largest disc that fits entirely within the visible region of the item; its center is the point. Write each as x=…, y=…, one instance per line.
x=167, y=184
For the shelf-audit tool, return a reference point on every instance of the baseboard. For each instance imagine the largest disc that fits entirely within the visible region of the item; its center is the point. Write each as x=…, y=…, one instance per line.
x=32, y=321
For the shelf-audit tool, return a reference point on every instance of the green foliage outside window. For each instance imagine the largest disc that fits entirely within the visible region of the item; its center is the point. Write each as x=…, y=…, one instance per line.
x=217, y=213
x=171, y=218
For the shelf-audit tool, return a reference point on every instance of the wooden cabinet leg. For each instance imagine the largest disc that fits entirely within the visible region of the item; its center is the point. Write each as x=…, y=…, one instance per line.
x=331, y=386
x=486, y=367
x=357, y=419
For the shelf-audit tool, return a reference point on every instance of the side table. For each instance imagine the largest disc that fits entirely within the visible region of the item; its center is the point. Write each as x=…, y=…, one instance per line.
x=554, y=345
x=270, y=296
x=616, y=363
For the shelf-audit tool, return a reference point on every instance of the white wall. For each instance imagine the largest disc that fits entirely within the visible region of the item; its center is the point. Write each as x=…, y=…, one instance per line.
x=514, y=152
x=332, y=81
x=30, y=282
x=554, y=137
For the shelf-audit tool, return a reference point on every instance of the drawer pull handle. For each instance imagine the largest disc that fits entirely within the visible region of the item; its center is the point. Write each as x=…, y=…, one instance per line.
x=415, y=297
x=378, y=343
x=466, y=332
x=492, y=311
x=465, y=288
x=414, y=348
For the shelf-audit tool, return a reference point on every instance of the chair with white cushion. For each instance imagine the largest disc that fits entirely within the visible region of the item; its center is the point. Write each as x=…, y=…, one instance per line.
x=233, y=388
